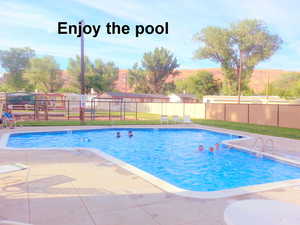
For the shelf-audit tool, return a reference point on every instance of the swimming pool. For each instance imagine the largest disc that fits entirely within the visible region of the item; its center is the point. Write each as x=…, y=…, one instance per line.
x=171, y=155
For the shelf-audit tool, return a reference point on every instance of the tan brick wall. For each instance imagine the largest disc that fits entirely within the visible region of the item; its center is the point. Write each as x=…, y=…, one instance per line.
x=237, y=113
x=215, y=111
x=263, y=114
x=289, y=116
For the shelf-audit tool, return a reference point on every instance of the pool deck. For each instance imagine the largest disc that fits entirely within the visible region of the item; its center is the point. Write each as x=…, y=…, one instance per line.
x=62, y=188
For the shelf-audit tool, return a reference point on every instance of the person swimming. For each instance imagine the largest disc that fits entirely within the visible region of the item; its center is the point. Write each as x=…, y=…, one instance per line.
x=118, y=135
x=200, y=148
x=217, y=145
x=130, y=134
x=211, y=149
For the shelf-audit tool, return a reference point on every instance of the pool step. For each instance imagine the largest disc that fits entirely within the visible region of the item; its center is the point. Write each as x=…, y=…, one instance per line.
x=261, y=144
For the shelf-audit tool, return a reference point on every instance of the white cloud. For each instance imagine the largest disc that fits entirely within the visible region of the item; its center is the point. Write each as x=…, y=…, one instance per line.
x=130, y=9
x=25, y=16
x=185, y=19
x=144, y=12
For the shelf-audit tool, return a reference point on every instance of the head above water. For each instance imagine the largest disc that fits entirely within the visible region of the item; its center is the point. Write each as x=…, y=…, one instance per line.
x=200, y=147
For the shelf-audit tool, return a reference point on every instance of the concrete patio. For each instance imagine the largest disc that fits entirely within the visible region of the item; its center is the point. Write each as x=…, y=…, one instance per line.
x=65, y=188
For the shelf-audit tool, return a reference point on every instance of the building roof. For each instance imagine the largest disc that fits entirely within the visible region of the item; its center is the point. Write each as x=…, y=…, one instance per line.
x=186, y=96
x=134, y=95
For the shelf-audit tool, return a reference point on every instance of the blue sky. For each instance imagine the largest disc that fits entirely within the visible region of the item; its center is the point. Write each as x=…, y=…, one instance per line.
x=34, y=23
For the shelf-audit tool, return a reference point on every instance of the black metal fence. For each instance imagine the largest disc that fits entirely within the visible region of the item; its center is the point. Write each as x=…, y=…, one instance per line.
x=97, y=109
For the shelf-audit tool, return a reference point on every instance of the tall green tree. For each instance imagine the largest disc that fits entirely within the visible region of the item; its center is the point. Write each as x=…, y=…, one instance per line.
x=238, y=48
x=200, y=84
x=104, y=76
x=156, y=67
x=44, y=74
x=137, y=79
x=99, y=75
x=73, y=70
x=14, y=61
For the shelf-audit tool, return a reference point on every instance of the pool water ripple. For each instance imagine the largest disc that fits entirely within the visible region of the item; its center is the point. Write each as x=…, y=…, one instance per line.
x=171, y=155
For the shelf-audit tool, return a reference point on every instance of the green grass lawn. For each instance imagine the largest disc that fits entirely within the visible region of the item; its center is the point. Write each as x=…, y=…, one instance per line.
x=128, y=115
x=252, y=128
x=89, y=122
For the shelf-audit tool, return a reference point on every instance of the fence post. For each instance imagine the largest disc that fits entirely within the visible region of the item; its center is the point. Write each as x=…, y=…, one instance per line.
x=225, y=112
x=68, y=109
x=124, y=109
x=136, y=111
x=34, y=110
x=109, y=110
x=46, y=110
x=205, y=105
x=91, y=110
x=95, y=110
x=248, y=113
x=277, y=115
x=121, y=103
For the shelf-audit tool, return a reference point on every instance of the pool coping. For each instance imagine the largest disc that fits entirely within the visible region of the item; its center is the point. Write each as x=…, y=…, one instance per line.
x=164, y=185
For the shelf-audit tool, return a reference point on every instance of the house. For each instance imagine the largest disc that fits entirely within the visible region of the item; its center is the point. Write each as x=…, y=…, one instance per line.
x=183, y=98
x=134, y=97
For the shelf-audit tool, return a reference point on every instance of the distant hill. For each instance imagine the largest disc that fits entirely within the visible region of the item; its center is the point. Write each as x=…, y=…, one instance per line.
x=258, y=80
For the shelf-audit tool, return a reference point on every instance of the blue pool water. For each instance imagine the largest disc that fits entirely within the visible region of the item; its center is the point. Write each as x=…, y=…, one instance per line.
x=171, y=155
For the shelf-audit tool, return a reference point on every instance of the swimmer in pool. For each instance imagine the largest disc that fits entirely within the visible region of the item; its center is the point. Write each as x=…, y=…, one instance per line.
x=211, y=149
x=130, y=134
x=217, y=145
x=200, y=148
x=118, y=135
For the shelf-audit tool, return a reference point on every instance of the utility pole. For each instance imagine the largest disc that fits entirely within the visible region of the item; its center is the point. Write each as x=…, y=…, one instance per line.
x=239, y=77
x=82, y=70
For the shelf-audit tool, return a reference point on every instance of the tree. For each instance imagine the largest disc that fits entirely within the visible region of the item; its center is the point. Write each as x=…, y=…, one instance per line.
x=288, y=86
x=98, y=75
x=14, y=61
x=73, y=70
x=200, y=84
x=137, y=79
x=44, y=74
x=104, y=76
x=157, y=67
x=239, y=48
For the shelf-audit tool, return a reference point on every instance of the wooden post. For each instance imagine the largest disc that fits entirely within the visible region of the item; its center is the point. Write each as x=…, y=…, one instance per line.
x=124, y=109
x=278, y=115
x=92, y=110
x=95, y=111
x=224, y=111
x=136, y=109
x=36, y=110
x=121, y=103
x=109, y=110
x=46, y=110
x=248, y=113
x=68, y=109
